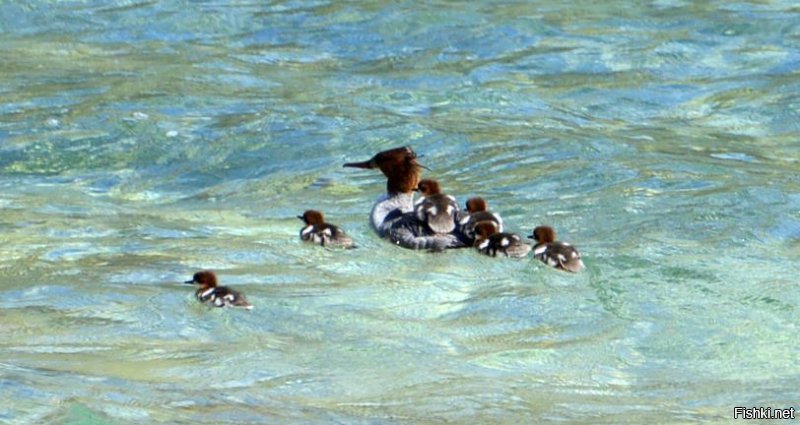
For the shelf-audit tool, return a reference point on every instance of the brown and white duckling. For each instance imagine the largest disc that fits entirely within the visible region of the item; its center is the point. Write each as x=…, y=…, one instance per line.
x=491, y=242
x=477, y=211
x=560, y=255
x=319, y=232
x=435, y=208
x=217, y=296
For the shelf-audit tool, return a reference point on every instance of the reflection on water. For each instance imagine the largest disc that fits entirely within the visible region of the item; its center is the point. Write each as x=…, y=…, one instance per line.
x=142, y=141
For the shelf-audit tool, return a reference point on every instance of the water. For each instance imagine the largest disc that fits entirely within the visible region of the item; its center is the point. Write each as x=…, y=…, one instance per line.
x=142, y=141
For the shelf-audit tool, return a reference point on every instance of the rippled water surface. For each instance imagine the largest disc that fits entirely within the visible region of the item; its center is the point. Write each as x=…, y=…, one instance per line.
x=141, y=141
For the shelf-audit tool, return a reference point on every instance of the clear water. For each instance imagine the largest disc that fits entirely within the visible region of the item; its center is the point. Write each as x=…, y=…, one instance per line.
x=141, y=141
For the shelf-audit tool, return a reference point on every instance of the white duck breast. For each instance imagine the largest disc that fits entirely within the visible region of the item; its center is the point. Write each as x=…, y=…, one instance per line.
x=388, y=209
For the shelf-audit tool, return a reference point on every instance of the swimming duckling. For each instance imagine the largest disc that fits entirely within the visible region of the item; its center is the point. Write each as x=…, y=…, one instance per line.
x=477, y=211
x=560, y=255
x=319, y=232
x=218, y=296
x=435, y=208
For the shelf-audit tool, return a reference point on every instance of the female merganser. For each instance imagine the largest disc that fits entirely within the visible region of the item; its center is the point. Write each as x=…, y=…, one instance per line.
x=489, y=241
x=392, y=215
x=218, y=296
x=435, y=208
x=402, y=172
x=319, y=232
x=477, y=211
x=560, y=255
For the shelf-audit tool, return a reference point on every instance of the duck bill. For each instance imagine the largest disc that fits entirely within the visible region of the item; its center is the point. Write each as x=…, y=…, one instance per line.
x=365, y=164
x=190, y=282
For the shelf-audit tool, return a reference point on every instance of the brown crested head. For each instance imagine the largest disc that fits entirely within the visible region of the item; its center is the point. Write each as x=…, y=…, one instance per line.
x=543, y=234
x=476, y=204
x=204, y=278
x=385, y=158
x=486, y=228
x=428, y=187
x=399, y=165
x=312, y=217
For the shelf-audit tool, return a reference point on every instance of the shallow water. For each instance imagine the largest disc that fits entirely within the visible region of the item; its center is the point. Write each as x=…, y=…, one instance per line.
x=142, y=141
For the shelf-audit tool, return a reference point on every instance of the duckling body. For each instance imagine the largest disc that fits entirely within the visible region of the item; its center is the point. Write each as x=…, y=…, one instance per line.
x=491, y=242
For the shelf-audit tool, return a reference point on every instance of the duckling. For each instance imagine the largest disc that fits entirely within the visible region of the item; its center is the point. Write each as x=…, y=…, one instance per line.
x=477, y=211
x=319, y=232
x=435, y=208
x=560, y=255
x=218, y=296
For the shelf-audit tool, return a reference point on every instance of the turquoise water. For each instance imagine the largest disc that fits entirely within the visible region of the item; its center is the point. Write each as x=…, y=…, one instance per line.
x=142, y=141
